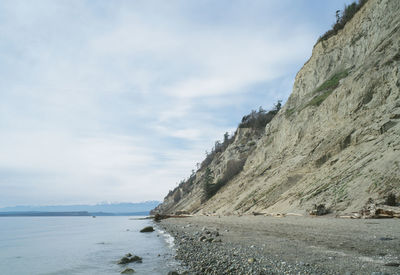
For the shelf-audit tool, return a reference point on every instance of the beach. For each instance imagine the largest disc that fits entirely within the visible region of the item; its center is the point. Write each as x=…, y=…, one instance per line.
x=287, y=245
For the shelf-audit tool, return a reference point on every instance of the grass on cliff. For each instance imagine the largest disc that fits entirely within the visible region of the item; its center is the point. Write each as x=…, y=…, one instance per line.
x=326, y=88
x=289, y=112
x=333, y=82
x=321, y=92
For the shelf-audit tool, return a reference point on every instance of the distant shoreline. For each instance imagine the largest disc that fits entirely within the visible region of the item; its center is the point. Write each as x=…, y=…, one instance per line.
x=67, y=214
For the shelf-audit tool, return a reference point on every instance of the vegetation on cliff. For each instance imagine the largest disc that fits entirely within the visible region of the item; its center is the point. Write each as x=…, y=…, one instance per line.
x=259, y=119
x=255, y=122
x=323, y=91
x=233, y=168
x=342, y=17
x=336, y=145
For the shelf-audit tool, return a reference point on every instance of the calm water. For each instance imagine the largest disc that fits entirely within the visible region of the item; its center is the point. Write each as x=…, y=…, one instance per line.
x=81, y=245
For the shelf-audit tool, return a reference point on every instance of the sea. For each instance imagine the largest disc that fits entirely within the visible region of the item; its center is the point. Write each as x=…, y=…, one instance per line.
x=82, y=245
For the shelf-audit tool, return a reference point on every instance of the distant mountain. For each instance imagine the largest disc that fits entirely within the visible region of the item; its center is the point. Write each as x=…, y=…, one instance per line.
x=105, y=208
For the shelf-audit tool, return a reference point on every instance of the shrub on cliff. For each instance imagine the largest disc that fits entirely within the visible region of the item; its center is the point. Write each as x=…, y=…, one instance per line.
x=219, y=147
x=177, y=196
x=342, y=18
x=391, y=200
x=233, y=168
x=208, y=185
x=256, y=120
x=259, y=119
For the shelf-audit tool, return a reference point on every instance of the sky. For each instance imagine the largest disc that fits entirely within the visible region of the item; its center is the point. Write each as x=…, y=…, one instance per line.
x=116, y=101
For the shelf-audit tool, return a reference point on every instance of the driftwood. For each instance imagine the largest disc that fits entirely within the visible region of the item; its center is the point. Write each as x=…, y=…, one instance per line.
x=159, y=217
x=294, y=214
x=276, y=215
x=182, y=212
x=350, y=216
x=374, y=211
x=258, y=214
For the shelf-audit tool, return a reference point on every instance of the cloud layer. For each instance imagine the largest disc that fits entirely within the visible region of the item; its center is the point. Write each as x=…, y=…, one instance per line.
x=118, y=100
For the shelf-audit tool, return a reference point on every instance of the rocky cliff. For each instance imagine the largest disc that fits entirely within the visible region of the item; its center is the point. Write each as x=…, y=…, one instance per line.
x=336, y=141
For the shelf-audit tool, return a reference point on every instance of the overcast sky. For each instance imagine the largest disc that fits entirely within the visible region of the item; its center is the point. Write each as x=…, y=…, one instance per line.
x=118, y=100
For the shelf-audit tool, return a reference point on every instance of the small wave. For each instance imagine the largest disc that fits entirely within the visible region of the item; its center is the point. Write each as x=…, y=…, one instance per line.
x=167, y=237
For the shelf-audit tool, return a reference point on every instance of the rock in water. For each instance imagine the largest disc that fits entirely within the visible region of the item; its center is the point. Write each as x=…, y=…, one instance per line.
x=127, y=271
x=147, y=229
x=129, y=259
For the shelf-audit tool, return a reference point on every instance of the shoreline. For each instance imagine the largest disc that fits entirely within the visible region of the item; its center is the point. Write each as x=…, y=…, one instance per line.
x=289, y=245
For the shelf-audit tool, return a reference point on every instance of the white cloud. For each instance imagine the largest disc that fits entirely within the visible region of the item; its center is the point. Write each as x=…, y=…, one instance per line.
x=117, y=101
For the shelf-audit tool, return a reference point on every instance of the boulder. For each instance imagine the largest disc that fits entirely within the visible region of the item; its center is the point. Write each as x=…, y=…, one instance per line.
x=202, y=238
x=147, y=229
x=127, y=271
x=130, y=259
x=319, y=210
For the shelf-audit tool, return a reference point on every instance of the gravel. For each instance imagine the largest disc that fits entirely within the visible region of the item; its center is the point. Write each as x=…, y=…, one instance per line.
x=291, y=245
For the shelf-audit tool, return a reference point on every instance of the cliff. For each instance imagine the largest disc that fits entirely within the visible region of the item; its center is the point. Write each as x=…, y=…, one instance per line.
x=336, y=141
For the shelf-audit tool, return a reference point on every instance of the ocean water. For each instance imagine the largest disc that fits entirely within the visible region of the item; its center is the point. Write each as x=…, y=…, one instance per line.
x=81, y=245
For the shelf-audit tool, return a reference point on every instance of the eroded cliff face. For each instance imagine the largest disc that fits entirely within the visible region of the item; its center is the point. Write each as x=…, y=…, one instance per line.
x=189, y=196
x=337, y=139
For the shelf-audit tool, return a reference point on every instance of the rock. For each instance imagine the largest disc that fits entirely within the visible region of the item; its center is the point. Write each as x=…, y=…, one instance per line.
x=127, y=271
x=202, y=238
x=251, y=260
x=392, y=264
x=147, y=229
x=130, y=259
x=319, y=210
x=173, y=273
x=386, y=239
x=124, y=260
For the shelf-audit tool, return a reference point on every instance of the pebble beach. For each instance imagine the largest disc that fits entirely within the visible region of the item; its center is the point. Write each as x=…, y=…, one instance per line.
x=289, y=245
